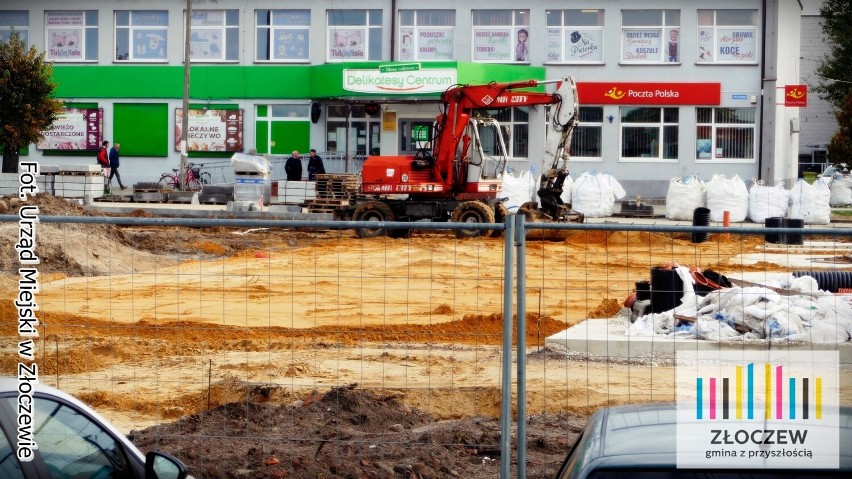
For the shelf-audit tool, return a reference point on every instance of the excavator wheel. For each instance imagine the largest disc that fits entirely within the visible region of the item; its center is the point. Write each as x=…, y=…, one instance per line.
x=472, y=212
x=372, y=211
x=500, y=214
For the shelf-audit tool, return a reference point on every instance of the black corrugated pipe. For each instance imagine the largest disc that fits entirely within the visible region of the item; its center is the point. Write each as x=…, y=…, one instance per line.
x=829, y=281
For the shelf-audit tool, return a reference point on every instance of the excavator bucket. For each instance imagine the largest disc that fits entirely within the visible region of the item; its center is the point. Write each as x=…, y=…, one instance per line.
x=562, y=214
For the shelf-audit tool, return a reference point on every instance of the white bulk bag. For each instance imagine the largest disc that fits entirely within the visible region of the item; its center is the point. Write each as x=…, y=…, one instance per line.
x=567, y=186
x=841, y=191
x=594, y=195
x=810, y=202
x=518, y=189
x=767, y=202
x=727, y=194
x=244, y=163
x=685, y=194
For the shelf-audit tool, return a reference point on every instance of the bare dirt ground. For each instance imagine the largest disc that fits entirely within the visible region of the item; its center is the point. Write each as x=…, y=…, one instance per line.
x=280, y=353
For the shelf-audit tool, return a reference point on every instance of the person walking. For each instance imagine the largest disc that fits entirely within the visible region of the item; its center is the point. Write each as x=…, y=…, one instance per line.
x=293, y=167
x=103, y=162
x=315, y=166
x=113, y=165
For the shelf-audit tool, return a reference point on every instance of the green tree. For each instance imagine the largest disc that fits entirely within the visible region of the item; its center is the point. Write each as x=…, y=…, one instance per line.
x=27, y=106
x=835, y=69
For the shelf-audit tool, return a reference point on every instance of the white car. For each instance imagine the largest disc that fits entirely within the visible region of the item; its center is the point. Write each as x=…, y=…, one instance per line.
x=63, y=438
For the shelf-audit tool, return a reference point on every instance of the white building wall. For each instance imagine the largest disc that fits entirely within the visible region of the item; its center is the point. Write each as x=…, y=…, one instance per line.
x=777, y=152
x=817, y=119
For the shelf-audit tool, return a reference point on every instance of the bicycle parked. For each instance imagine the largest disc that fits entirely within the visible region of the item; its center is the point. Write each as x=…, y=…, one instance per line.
x=195, y=178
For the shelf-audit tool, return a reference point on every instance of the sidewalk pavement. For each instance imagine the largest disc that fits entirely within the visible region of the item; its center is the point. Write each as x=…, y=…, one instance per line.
x=208, y=211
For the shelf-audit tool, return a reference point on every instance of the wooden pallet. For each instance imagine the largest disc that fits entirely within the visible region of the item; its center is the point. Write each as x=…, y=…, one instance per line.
x=337, y=185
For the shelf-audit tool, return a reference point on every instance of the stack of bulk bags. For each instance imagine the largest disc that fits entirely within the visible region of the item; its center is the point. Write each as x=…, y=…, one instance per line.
x=594, y=195
x=767, y=202
x=518, y=189
x=841, y=191
x=727, y=194
x=810, y=202
x=685, y=194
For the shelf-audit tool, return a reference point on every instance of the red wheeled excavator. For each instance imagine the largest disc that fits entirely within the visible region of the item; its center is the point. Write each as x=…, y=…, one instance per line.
x=457, y=175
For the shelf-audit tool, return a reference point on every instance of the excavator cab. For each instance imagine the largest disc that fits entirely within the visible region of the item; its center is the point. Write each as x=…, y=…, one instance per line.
x=487, y=157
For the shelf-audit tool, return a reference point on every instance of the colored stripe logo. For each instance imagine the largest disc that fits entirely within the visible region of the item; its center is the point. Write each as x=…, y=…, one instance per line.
x=801, y=401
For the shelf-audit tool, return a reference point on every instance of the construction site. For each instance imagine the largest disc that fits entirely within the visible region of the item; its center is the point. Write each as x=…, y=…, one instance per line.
x=287, y=339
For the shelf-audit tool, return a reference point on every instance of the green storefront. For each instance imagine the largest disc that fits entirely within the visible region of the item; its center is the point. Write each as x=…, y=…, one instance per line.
x=280, y=108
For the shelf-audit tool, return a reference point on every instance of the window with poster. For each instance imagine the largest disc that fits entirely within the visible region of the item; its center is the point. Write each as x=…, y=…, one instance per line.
x=283, y=36
x=71, y=35
x=354, y=35
x=142, y=36
x=725, y=134
x=727, y=36
x=575, y=36
x=361, y=139
x=650, y=36
x=426, y=35
x=500, y=36
x=215, y=36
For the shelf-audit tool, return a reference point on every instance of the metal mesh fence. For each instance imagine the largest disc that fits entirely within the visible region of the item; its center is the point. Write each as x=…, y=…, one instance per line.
x=284, y=348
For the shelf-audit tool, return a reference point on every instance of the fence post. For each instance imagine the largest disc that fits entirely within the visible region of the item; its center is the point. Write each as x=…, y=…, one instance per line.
x=521, y=245
x=506, y=367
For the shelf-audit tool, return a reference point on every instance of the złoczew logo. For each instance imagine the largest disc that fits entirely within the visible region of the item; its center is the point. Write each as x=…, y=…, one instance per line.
x=758, y=409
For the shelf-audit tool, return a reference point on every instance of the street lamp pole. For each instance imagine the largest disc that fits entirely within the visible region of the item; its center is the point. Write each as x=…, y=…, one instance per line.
x=184, y=129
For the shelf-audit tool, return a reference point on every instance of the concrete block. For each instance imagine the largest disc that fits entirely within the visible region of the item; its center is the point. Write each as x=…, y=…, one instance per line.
x=284, y=209
x=48, y=169
x=240, y=205
x=84, y=168
x=79, y=180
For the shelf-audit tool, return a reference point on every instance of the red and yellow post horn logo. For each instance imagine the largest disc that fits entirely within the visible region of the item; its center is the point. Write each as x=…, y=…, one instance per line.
x=796, y=94
x=615, y=93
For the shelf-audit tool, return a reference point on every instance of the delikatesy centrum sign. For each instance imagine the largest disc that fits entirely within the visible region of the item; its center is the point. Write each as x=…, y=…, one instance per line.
x=773, y=409
x=394, y=82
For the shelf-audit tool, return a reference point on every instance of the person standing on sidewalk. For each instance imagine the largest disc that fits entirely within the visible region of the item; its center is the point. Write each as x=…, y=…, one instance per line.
x=315, y=166
x=293, y=167
x=113, y=165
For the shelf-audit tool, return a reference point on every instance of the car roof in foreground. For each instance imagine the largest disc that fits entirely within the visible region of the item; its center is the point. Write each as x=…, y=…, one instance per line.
x=10, y=385
x=646, y=434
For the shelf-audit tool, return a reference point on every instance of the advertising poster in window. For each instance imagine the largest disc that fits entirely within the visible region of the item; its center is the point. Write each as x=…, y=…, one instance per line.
x=584, y=46
x=206, y=41
x=149, y=44
x=492, y=44
x=347, y=43
x=642, y=45
x=434, y=44
x=74, y=129
x=705, y=45
x=211, y=130
x=554, y=44
x=64, y=35
x=406, y=43
x=290, y=44
x=735, y=45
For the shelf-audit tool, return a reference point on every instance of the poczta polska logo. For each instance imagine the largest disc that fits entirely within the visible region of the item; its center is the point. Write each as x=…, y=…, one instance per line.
x=766, y=409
